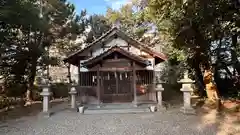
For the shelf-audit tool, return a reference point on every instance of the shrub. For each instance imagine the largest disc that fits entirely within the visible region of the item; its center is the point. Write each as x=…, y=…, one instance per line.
x=6, y=102
x=36, y=93
x=59, y=90
x=15, y=90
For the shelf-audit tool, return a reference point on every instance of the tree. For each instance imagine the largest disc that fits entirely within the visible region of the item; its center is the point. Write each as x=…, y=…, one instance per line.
x=98, y=25
x=130, y=21
x=24, y=43
x=197, y=27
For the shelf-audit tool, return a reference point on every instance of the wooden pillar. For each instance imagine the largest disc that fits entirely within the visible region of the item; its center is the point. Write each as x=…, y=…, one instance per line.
x=98, y=86
x=79, y=74
x=117, y=82
x=154, y=93
x=79, y=93
x=134, y=85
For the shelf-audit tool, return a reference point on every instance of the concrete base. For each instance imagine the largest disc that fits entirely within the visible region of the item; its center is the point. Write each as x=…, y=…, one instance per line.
x=161, y=108
x=45, y=114
x=134, y=104
x=188, y=110
x=116, y=108
x=99, y=106
x=116, y=111
x=73, y=109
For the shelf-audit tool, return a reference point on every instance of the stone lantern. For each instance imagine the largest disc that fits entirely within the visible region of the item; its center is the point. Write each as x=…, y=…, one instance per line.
x=186, y=89
x=73, y=93
x=46, y=94
x=159, y=89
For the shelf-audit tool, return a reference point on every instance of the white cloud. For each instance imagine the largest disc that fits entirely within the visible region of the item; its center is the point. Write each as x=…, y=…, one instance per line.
x=116, y=4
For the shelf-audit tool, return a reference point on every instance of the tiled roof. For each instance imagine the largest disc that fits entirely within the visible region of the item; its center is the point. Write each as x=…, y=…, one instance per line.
x=133, y=42
x=89, y=45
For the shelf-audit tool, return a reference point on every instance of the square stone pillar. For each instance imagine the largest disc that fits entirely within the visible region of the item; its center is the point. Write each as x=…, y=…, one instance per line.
x=187, y=89
x=46, y=94
x=159, y=90
x=73, y=93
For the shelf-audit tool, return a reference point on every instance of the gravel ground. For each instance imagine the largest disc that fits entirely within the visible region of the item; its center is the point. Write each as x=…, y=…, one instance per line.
x=66, y=122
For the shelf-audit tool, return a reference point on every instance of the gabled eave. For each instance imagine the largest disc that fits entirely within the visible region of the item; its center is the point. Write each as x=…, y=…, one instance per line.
x=159, y=57
x=92, y=61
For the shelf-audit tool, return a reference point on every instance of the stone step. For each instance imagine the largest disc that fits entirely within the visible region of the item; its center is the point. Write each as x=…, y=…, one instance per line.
x=116, y=110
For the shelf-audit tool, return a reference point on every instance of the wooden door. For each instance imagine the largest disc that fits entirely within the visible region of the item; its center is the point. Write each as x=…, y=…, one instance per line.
x=116, y=87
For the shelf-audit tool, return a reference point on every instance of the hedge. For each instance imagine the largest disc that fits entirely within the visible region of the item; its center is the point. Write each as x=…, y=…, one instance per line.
x=6, y=102
x=59, y=90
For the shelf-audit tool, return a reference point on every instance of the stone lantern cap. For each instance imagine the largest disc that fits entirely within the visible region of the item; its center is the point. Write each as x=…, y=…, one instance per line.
x=186, y=79
x=73, y=90
x=45, y=91
x=159, y=86
x=45, y=85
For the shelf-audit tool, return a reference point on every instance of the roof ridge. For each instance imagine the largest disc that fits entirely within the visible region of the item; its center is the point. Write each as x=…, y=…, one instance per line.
x=104, y=34
x=96, y=40
x=119, y=32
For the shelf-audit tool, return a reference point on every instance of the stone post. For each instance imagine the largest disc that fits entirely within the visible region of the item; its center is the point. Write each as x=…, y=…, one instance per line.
x=73, y=93
x=159, y=90
x=187, y=89
x=45, y=93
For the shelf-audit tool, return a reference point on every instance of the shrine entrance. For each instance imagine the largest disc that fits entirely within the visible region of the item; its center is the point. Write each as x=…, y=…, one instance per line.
x=116, y=86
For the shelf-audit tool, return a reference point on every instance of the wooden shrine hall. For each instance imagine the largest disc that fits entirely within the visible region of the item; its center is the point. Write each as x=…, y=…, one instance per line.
x=116, y=68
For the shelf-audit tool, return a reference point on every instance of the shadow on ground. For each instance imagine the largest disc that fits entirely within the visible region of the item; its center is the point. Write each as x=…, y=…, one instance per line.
x=23, y=111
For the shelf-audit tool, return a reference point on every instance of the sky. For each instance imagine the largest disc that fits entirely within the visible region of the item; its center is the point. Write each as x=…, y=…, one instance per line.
x=97, y=6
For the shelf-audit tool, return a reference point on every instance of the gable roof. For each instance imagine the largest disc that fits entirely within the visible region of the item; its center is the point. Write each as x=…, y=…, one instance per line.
x=115, y=31
x=129, y=55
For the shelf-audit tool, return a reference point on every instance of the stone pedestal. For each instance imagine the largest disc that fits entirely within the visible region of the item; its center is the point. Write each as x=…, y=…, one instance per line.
x=45, y=93
x=134, y=102
x=73, y=94
x=187, y=89
x=159, y=90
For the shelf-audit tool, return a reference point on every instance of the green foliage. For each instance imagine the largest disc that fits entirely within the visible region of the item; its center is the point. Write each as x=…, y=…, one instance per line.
x=130, y=21
x=24, y=44
x=7, y=102
x=14, y=89
x=205, y=32
x=99, y=26
x=60, y=90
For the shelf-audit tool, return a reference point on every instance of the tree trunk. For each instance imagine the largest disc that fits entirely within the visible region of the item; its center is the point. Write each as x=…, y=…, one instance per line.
x=234, y=55
x=202, y=92
x=199, y=77
x=69, y=74
x=31, y=82
x=211, y=89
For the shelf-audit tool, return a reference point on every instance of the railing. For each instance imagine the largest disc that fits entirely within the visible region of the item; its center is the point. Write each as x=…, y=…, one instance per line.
x=88, y=78
x=144, y=77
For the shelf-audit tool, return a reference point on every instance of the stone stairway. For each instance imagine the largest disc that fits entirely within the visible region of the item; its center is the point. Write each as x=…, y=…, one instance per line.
x=119, y=108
